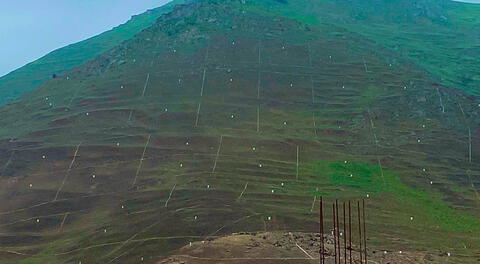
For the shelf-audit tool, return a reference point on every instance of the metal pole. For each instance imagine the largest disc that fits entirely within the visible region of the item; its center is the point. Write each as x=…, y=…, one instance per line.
x=359, y=231
x=364, y=232
x=344, y=236
x=321, y=231
x=338, y=233
x=334, y=233
x=350, y=229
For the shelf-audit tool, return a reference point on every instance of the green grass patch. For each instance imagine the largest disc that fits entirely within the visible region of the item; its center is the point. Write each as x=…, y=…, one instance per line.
x=365, y=178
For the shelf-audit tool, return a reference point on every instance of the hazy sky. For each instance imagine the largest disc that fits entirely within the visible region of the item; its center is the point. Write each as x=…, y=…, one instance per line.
x=30, y=29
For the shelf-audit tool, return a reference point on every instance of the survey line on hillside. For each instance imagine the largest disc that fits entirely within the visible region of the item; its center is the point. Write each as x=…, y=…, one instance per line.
x=244, y=189
x=258, y=119
x=68, y=172
x=120, y=242
x=141, y=161
x=372, y=128
x=313, y=203
x=124, y=253
x=203, y=81
x=170, y=195
x=298, y=150
x=259, y=68
x=441, y=101
x=313, y=91
x=160, y=156
x=218, y=153
x=5, y=167
x=143, y=95
x=233, y=223
x=365, y=65
x=40, y=217
x=131, y=238
x=130, y=115
x=309, y=55
x=50, y=202
x=82, y=197
x=469, y=145
x=146, y=85
x=473, y=186
x=15, y=252
x=469, y=152
x=469, y=133
x=314, y=125
x=63, y=221
x=120, y=162
x=198, y=114
x=73, y=97
x=304, y=251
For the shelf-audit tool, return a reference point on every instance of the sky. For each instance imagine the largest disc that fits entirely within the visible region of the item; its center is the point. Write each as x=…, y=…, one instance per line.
x=29, y=29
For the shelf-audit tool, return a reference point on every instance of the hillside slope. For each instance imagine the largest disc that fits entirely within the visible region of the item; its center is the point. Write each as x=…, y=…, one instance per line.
x=34, y=74
x=223, y=118
x=441, y=36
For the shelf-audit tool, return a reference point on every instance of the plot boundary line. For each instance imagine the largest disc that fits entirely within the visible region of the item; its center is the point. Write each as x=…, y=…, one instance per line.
x=141, y=160
x=68, y=172
x=218, y=153
x=170, y=195
x=244, y=189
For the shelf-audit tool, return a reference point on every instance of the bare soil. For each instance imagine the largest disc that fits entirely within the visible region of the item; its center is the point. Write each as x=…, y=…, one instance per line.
x=276, y=247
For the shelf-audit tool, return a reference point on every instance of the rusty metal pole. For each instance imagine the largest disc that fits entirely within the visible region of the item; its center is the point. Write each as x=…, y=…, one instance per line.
x=364, y=232
x=350, y=230
x=359, y=231
x=334, y=232
x=338, y=233
x=321, y=232
x=344, y=236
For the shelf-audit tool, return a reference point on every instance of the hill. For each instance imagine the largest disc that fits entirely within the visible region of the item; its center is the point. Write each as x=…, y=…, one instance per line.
x=222, y=117
x=35, y=74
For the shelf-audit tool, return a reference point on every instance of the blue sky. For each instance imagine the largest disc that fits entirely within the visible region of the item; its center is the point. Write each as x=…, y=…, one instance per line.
x=30, y=29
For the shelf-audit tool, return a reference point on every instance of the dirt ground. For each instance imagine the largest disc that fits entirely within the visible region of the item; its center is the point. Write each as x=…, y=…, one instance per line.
x=285, y=248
